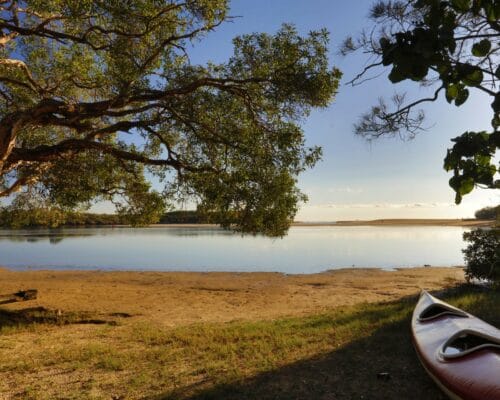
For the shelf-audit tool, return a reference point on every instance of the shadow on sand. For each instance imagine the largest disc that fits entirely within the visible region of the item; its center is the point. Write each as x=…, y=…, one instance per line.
x=26, y=317
x=380, y=366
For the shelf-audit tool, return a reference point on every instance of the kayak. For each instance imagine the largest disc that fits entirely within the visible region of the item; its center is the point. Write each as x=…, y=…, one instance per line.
x=460, y=352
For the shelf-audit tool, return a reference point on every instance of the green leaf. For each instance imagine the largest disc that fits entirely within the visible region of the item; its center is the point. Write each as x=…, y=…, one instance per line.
x=451, y=92
x=466, y=186
x=384, y=43
x=396, y=75
x=449, y=22
x=495, y=122
x=461, y=5
x=462, y=96
x=483, y=160
x=497, y=72
x=474, y=78
x=455, y=183
x=491, y=11
x=419, y=71
x=481, y=48
x=496, y=103
x=451, y=160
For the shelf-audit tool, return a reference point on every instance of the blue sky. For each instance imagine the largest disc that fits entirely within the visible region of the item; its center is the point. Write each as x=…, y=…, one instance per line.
x=389, y=178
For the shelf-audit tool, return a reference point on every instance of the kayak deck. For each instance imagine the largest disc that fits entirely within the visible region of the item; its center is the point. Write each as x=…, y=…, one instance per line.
x=459, y=351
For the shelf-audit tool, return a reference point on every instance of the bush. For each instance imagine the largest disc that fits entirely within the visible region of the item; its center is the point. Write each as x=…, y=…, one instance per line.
x=487, y=213
x=482, y=255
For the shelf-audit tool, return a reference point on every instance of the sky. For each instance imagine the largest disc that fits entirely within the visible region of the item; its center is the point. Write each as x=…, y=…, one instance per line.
x=388, y=178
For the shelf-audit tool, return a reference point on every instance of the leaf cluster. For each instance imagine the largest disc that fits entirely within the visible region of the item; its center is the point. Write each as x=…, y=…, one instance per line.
x=451, y=45
x=471, y=160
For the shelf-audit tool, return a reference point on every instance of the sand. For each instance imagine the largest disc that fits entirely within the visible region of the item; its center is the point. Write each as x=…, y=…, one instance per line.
x=179, y=298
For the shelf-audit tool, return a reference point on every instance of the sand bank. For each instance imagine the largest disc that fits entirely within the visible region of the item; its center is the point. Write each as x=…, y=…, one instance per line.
x=178, y=298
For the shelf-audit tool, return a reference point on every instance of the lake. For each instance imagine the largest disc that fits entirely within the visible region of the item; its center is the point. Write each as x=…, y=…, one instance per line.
x=303, y=250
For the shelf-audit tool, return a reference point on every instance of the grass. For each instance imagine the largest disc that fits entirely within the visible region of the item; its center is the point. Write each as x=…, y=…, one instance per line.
x=334, y=355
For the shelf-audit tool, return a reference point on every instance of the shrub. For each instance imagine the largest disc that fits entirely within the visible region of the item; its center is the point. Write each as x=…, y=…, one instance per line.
x=487, y=213
x=482, y=255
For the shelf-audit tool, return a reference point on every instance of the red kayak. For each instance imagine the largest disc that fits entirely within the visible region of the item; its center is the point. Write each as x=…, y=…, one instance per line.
x=460, y=352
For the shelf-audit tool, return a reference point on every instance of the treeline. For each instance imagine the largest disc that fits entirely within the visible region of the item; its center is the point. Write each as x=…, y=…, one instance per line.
x=54, y=217
x=488, y=213
x=184, y=217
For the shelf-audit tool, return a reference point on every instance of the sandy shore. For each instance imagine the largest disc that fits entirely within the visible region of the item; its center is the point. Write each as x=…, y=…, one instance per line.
x=178, y=298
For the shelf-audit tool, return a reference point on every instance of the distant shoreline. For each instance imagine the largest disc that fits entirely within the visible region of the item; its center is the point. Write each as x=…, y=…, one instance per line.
x=403, y=222
x=375, y=222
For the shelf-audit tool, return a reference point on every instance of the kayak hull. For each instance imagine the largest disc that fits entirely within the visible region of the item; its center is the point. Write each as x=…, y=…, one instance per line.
x=466, y=373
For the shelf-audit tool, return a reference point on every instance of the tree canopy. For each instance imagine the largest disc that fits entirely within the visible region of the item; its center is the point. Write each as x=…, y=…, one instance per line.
x=452, y=46
x=97, y=97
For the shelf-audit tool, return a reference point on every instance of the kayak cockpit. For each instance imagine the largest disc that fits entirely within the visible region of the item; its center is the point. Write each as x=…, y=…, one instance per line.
x=466, y=342
x=436, y=310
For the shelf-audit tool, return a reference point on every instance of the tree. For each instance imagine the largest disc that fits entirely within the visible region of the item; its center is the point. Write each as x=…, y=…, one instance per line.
x=450, y=45
x=488, y=213
x=482, y=255
x=98, y=96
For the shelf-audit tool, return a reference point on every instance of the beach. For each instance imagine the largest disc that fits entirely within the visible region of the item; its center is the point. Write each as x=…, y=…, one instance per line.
x=179, y=298
x=194, y=336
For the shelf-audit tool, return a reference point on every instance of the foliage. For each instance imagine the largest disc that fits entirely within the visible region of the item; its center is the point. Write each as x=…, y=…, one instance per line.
x=52, y=217
x=451, y=45
x=83, y=219
x=488, y=213
x=95, y=96
x=482, y=255
x=184, y=217
x=19, y=218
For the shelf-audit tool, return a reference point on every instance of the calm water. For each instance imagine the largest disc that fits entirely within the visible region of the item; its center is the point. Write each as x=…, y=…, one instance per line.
x=304, y=250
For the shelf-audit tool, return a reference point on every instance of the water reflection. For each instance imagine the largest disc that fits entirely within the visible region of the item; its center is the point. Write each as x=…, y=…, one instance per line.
x=53, y=236
x=57, y=235
x=304, y=250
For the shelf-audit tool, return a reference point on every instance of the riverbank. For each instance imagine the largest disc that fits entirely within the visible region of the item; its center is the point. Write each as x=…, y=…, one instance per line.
x=195, y=336
x=179, y=298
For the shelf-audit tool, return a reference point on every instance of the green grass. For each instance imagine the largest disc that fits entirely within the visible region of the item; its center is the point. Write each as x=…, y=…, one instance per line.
x=334, y=355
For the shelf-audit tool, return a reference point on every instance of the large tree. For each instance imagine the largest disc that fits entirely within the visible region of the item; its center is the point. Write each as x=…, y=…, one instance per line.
x=98, y=96
x=452, y=46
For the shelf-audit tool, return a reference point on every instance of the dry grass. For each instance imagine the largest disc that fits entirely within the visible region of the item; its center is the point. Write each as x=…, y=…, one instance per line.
x=329, y=355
